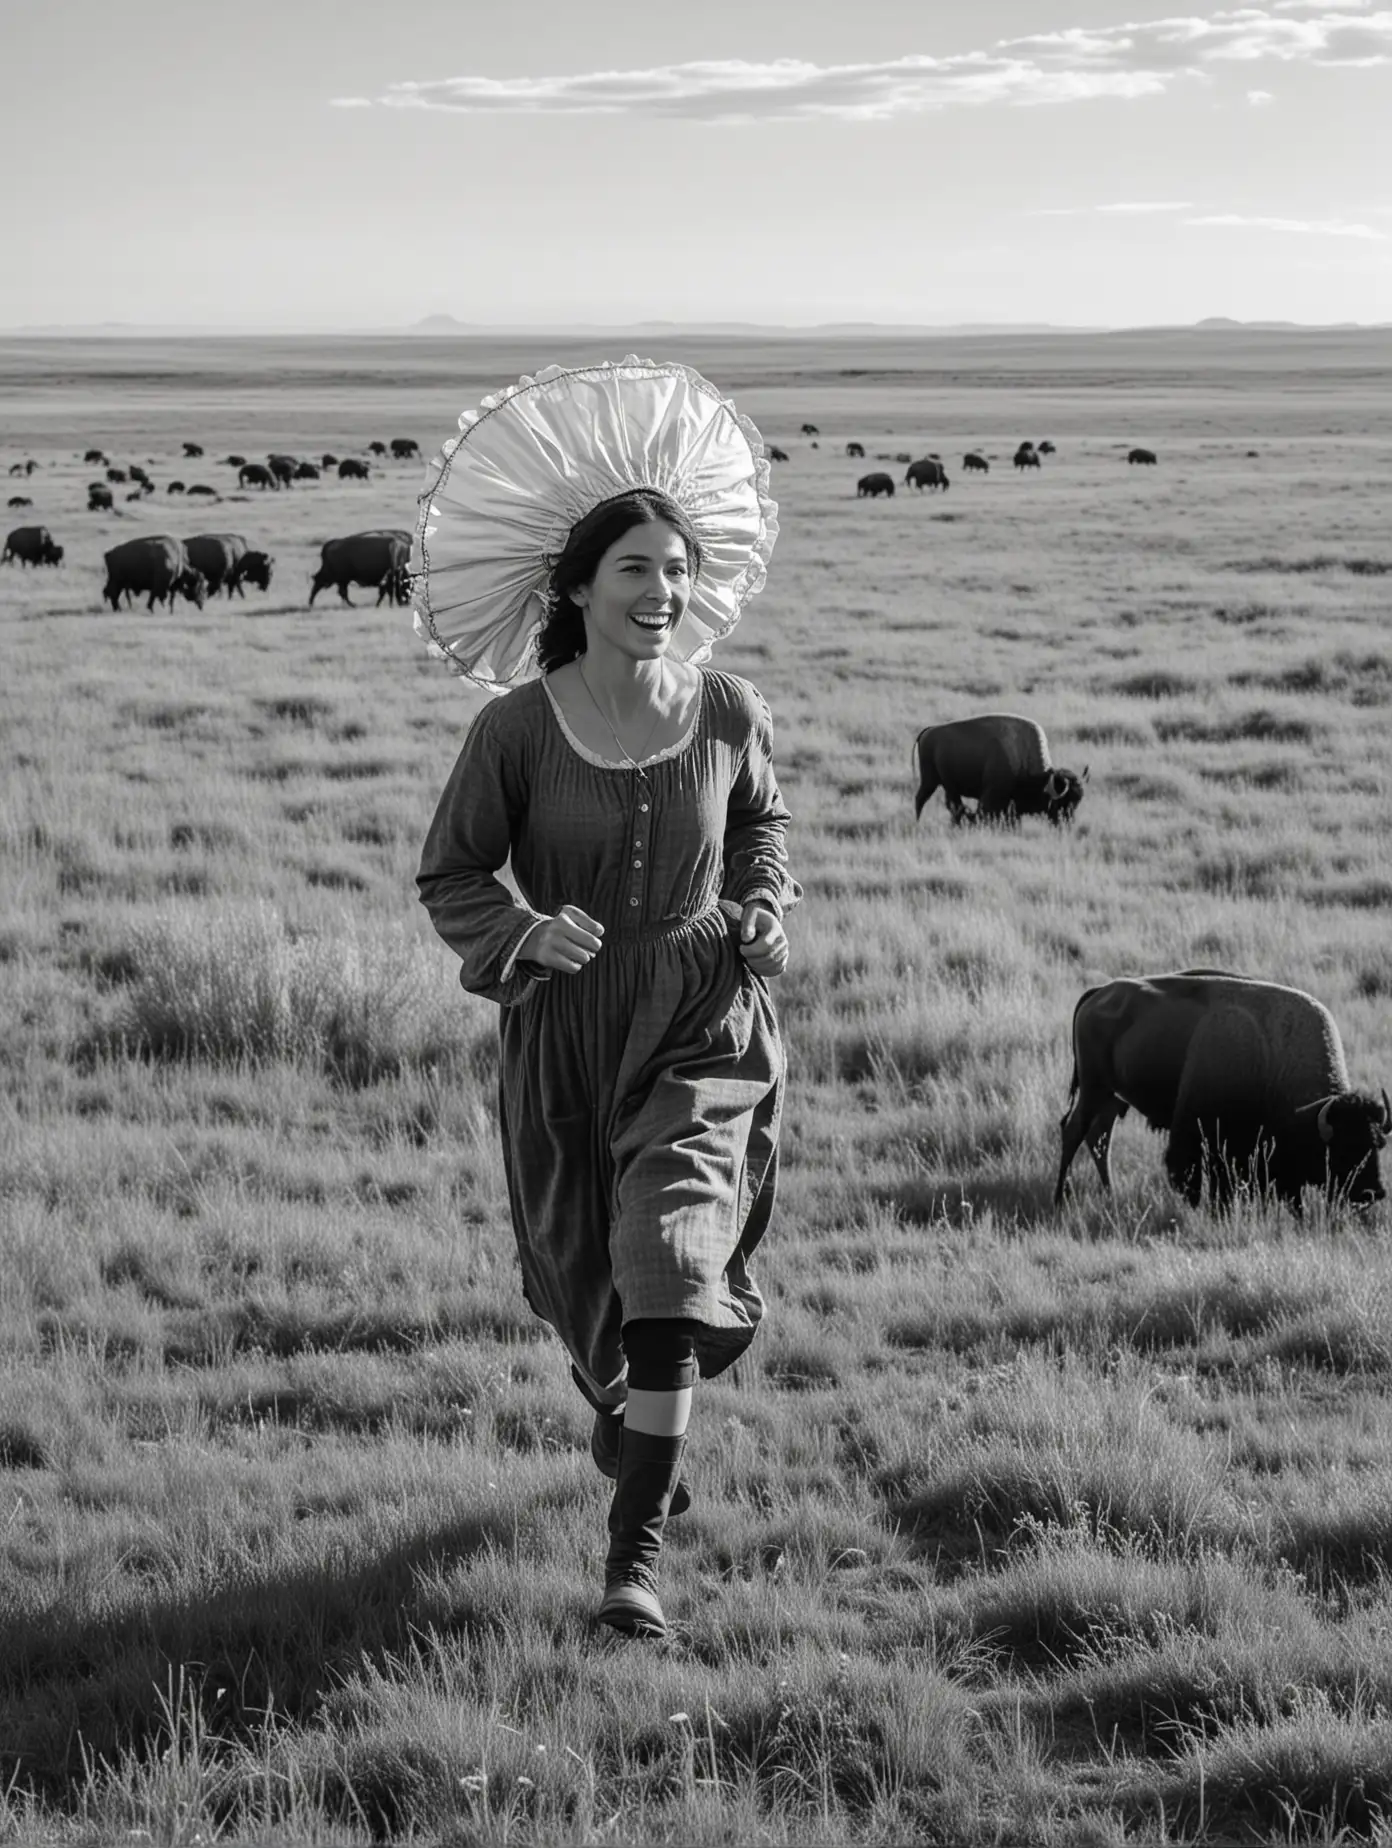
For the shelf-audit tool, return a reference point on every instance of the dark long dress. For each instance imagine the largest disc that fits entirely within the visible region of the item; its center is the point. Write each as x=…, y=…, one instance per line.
x=640, y=1098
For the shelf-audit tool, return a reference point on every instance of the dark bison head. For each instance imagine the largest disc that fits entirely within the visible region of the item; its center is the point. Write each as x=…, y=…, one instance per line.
x=1063, y=791
x=192, y=585
x=52, y=554
x=1353, y=1127
x=395, y=586
x=256, y=569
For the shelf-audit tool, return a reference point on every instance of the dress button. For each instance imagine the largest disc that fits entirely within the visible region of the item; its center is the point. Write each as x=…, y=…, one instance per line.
x=637, y=862
x=642, y=808
x=633, y=901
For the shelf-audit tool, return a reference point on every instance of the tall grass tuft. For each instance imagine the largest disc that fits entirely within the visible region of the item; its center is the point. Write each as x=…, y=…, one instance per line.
x=240, y=987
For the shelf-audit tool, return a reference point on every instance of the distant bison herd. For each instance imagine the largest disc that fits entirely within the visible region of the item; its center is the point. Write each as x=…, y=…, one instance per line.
x=159, y=567
x=929, y=471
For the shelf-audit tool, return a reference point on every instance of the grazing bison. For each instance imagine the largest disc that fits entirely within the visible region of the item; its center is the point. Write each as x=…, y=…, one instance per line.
x=193, y=449
x=999, y=760
x=1141, y=455
x=306, y=471
x=117, y=474
x=376, y=449
x=362, y=558
x=218, y=556
x=31, y=545
x=1247, y=1077
x=99, y=498
x=927, y=472
x=153, y=565
x=283, y=468
x=253, y=568
x=974, y=463
x=328, y=461
x=856, y=449
x=810, y=430
x=875, y=485
x=138, y=474
x=350, y=469
x=1026, y=456
x=175, y=487
x=201, y=487
x=94, y=455
x=234, y=461
x=404, y=447
x=19, y=500
x=776, y=454
x=1046, y=448
x=256, y=475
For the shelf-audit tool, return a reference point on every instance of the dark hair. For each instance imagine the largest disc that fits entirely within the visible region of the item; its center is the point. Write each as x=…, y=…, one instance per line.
x=561, y=637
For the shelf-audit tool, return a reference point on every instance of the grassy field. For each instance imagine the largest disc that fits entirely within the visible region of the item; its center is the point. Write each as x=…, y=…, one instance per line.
x=1012, y=1527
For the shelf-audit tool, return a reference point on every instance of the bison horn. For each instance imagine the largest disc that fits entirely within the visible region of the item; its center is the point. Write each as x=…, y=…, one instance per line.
x=1083, y=777
x=1386, y=1112
x=1054, y=785
x=1326, y=1128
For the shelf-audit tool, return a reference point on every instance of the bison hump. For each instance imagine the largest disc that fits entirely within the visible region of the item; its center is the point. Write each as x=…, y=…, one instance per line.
x=1007, y=737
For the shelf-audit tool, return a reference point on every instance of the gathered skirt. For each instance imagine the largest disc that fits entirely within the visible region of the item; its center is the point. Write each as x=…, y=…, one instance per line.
x=640, y=1102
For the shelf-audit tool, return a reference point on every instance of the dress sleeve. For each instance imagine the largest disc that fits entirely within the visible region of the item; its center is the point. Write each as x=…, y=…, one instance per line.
x=469, y=840
x=756, y=860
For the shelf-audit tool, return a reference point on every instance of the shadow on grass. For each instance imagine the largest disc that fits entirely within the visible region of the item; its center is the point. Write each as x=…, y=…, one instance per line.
x=79, y=1689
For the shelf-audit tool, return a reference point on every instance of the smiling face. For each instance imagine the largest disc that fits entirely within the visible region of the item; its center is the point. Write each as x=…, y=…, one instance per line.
x=639, y=592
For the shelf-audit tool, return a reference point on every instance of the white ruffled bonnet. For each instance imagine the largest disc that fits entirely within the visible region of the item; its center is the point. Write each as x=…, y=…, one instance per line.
x=501, y=497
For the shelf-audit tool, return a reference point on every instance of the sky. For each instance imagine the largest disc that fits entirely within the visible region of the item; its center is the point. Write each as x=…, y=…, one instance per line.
x=344, y=164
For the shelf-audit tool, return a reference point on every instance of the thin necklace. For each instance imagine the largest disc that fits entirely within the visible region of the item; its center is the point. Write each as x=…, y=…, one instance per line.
x=628, y=757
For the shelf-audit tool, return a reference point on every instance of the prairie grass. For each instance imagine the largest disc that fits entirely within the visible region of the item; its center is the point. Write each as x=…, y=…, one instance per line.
x=1012, y=1526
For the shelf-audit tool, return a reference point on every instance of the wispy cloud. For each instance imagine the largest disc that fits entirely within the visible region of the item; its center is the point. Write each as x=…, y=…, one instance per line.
x=1305, y=227
x=1260, y=98
x=350, y=102
x=736, y=90
x=1072, y=65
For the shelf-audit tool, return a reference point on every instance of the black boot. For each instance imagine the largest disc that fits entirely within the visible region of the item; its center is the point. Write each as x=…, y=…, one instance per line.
x=605, y=1434
x=648, y=1469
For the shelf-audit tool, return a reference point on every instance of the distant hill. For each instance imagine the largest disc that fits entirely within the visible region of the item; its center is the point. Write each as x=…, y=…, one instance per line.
x=1222, y=324
x=449, y=324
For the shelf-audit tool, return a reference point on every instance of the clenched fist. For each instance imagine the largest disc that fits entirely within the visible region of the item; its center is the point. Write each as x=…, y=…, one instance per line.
x=564, y=943
x=763, y=941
